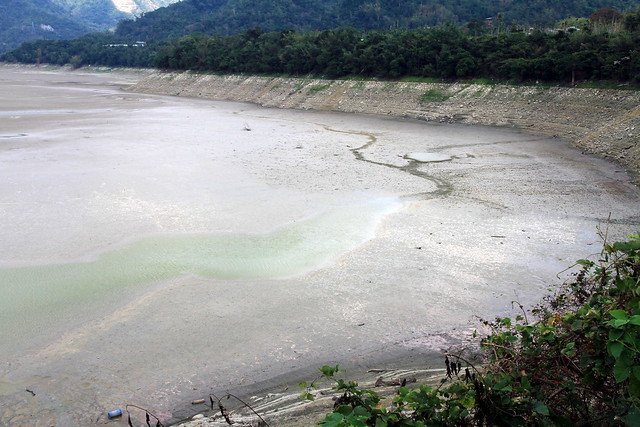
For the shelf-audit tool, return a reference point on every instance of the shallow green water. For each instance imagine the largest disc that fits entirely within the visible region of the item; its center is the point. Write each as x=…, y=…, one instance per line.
x=33, y=297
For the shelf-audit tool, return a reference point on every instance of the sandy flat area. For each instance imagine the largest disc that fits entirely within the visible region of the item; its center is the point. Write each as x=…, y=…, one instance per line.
x=156, y=249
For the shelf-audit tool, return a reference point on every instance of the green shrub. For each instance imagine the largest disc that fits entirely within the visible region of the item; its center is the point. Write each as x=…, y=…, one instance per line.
x=434, y=95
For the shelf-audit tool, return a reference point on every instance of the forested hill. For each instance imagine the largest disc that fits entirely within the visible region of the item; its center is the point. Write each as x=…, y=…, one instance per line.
x=227, y=17
x=24, y=20
x=601, y=47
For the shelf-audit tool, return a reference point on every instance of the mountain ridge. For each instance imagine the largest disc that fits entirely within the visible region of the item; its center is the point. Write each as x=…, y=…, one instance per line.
x=135, y=7
x=65, y=19
x=226, y=17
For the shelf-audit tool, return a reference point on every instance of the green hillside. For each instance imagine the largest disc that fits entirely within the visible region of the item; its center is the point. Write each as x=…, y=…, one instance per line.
x=227, y=17
x=24, y=20
x=65, y=19
x=97, y=15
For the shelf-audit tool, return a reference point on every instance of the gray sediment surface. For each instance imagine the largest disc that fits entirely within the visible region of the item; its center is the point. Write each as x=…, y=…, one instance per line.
x=451, y=223
x=605, y=122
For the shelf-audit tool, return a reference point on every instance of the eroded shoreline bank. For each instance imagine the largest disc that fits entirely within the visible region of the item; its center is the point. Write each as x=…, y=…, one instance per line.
x=605, y=122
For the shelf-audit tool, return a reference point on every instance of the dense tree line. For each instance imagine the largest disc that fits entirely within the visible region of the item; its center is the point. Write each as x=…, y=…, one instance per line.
x=605, y=48
x=91, y=49
x=443, y=52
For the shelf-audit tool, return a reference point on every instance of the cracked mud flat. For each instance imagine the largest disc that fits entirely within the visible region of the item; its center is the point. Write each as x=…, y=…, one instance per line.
x=154, y=250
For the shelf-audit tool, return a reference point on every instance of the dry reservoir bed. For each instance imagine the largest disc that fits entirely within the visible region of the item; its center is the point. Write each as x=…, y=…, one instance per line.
x=156, y=249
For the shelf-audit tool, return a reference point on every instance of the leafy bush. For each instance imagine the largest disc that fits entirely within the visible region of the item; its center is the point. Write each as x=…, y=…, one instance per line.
x=434, y=95
x=576, y=362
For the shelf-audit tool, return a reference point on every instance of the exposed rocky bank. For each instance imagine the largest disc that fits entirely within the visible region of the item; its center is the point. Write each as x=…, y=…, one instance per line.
x=605, y=122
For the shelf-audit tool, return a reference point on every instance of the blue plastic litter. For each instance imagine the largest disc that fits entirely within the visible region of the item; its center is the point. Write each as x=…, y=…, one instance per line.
x=114, y=414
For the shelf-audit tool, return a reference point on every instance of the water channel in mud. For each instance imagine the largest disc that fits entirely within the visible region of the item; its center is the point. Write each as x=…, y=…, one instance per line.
x=155, y=249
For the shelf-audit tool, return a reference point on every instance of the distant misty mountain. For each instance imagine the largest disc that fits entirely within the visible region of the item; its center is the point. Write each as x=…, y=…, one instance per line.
x=137, y=7
x=24, y=20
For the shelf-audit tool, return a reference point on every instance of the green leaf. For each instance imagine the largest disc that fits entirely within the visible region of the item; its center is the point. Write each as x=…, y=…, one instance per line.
x=624, y=284
x=626, y=247
x=344, y=410
x=632, y=418
x=329, y=371
x=621, y=370
x=634, y=382
x=381, y=422
x=636, y=371
x=615, y=348
x=541, y=408
x=619, y=314
x=569, y=349
x=524, y=381
x=361, y=412
x=615, y=334
x=504, y=385
x=307, y=396
x=577, y=324
x=506, y=321
x=634, y=388
x=333, y=420
x=635, y=319
x=629, y=338
x=616, y=323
